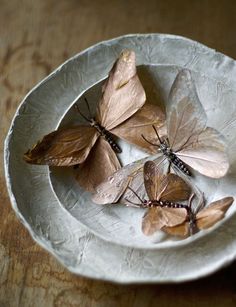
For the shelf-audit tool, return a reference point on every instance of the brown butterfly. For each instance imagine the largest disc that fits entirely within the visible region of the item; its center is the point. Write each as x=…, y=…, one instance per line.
x=189, y=142
x=164, y=192
x=203, y=219
x=120, y=112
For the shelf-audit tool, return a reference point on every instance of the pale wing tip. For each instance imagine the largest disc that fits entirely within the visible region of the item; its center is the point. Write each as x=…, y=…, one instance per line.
x=127, y=55
x=184, y=74
x=99, y=200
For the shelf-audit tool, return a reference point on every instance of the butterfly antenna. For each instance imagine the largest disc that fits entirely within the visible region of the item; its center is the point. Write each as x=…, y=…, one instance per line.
x=155, y=129
x=132, y=204
x=135, y=194
x=87, y=104
x=148, y=141
x=77, y=108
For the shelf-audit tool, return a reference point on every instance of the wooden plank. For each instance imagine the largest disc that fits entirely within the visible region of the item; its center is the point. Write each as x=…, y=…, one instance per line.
x=37, y=36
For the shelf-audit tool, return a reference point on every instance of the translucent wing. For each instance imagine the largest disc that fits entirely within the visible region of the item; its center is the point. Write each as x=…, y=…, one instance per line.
x=213, y=213
x=206, y=154
x=114, y=189
x=123, y=94
x=141, y=123
x=186, y=117
x=200, y=147
x=157, y=218
x=63, y=147
x=99, y=165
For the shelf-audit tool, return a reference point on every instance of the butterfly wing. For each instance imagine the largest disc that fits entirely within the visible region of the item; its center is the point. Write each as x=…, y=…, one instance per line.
x=186, y=117
x=142, y=122
x=63, y=147
x=157, y=218
x=206, y=154
x=200, y=147
x=176, y=189
x=99, y=165
x=123, y=93
x=205, y=219
x=181, y=230
x=112, y=189
x=213, y=213
x=154, y=180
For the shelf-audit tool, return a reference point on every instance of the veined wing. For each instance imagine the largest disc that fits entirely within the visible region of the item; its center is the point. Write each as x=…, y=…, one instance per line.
x=207, y=154
x=186, y=117
x=205, y=218
x=157, y=218
x=141, y=123
x=123, y=93
x=114, y=189
x=99, y=165
x=63, y=147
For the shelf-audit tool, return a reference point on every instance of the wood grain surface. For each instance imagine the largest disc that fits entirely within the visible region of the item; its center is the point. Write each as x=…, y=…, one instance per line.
x=35, y=37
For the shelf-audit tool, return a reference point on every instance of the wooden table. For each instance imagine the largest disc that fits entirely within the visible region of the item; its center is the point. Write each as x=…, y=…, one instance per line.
x=35, y=37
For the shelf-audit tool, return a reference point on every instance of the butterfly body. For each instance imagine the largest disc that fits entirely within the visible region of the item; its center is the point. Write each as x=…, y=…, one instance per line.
x=162, y=204
x=172, y=157
x=106, y=134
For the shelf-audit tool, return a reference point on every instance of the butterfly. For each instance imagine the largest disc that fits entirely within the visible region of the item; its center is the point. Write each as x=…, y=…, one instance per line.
x=164, y=192
x=204, y=219
x=121, y=112
x=188, y=143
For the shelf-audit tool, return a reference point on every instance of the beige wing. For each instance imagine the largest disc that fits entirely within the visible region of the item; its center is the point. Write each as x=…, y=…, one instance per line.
x=181, y=230
x=186, y=117
x=176, y=189
x=201, y=148
x=205, y=219
x=157, y=218
x=207, y=154
x=63, y=147
x=154, y=180
x=114, y=189
x=99, y=165
x=209, y=216
x=123, y=93
x=167, y=187
x=141, y=123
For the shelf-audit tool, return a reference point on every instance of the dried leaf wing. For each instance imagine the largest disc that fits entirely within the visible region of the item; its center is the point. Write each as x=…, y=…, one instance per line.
x=186, y=117
x=63, y=147
x=207, y=154
x=176, y=189
x=115, y=188
x=154, y=180
x=157, y=218
x=181, y=230
x=142, y=122
x=123, y=93
x=213, y=213
x=99, y=165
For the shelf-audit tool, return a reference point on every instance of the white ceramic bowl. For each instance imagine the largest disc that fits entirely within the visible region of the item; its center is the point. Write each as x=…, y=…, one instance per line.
x=83, y=236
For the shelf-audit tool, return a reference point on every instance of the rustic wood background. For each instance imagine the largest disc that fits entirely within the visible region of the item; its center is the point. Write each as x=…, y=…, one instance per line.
x=35, y=37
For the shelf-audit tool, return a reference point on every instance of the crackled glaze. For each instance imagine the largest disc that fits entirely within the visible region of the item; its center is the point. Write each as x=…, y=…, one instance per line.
x=53, y=227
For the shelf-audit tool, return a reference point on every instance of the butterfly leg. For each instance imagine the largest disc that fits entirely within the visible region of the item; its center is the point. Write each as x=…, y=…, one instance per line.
x=191, y=216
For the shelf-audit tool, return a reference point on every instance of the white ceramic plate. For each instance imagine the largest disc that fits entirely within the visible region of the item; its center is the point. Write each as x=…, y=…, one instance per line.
x=70, y=237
